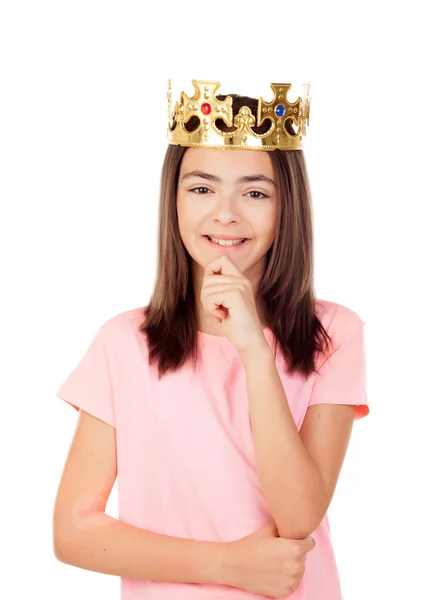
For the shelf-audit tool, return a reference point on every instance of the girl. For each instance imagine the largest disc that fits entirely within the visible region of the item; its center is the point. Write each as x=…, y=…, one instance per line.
x=224, y=406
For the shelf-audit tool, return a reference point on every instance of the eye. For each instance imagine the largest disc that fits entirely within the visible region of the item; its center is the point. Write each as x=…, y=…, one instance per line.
x=199, y=188
x=258, y=197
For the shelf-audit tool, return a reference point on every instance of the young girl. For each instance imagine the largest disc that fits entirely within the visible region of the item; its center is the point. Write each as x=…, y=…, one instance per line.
x=225, y=406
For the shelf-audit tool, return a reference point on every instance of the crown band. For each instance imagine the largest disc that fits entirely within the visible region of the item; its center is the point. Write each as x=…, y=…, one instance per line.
x=205, y=105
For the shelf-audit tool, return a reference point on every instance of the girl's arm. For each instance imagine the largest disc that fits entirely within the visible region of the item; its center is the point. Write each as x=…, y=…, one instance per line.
x=84, y=536
x=107, y=545
x=298, y=471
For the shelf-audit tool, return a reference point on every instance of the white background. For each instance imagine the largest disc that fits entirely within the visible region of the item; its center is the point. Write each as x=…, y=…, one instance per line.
x=83, y=110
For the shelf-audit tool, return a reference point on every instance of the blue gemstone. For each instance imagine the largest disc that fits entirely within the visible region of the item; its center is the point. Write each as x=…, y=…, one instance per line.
x=280, y=110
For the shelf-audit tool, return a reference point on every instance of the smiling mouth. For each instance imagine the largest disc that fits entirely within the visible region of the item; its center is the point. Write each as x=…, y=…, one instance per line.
x=226, y=243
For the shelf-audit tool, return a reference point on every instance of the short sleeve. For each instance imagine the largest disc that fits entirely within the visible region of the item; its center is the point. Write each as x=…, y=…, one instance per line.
x=89, y=386
x=342, y=378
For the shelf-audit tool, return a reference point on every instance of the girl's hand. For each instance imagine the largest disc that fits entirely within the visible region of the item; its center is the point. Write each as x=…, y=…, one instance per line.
x=264, y=563
x=227, y=296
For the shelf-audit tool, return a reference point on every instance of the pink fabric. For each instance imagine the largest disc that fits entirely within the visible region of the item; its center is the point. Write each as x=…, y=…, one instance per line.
x=186, y=461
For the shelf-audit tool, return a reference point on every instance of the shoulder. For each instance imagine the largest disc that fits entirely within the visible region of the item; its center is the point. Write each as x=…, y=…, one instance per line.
x=338, y=320
x=122, y=326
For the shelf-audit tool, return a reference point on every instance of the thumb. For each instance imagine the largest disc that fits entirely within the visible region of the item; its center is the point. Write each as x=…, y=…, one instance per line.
x=311, y=543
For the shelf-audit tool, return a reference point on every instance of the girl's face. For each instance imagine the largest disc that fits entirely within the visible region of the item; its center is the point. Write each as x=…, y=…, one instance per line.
x=227, y=192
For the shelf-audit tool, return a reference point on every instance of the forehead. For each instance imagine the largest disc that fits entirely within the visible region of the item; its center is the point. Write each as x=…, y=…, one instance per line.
x=228, y=164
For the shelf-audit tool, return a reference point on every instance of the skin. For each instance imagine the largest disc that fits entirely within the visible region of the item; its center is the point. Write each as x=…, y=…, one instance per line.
x=88, y=538
x=226, y=206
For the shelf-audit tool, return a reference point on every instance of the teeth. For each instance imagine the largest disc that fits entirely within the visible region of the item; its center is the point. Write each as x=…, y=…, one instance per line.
x=226, y=242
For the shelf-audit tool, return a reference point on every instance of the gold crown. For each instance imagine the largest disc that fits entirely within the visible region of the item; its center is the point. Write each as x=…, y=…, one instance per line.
x=207, y=108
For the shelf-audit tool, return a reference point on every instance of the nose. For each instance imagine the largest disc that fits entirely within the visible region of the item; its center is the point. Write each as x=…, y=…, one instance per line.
x=226, y=208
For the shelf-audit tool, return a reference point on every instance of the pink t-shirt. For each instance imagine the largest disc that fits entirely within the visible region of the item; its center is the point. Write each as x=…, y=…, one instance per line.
x=186, y=461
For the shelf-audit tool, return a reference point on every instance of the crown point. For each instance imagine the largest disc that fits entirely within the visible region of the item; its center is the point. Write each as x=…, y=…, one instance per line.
x=206, y=108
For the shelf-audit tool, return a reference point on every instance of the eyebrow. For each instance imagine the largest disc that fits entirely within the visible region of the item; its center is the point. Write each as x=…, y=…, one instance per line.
x=244, y=179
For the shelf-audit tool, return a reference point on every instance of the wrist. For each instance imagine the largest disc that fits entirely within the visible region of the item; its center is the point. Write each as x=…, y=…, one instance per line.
x=223, y=565
x=259, y=352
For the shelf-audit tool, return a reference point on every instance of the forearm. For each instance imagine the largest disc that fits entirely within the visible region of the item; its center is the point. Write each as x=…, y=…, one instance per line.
x=289, y=478
x=107, y=545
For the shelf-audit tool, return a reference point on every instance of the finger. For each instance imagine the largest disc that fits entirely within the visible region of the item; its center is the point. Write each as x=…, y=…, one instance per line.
x=221, y=315
x=224, y=265
x=217, y=309
x=221, y=295
x=217, y=314
x=309, y=544
x=232, y=297
x=219, y=277
x=222, y=287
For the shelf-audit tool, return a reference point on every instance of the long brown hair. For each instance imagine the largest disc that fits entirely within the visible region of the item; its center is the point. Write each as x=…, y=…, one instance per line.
x=286, y=289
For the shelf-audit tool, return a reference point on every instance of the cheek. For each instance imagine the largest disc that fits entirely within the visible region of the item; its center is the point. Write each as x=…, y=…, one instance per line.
x=189, y=220
x=268, y=228
x=191, y=216
x=267, y=221
x=184, y=213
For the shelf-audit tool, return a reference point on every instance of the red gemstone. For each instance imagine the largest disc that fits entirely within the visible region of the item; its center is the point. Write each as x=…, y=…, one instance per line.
x=206, y=109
